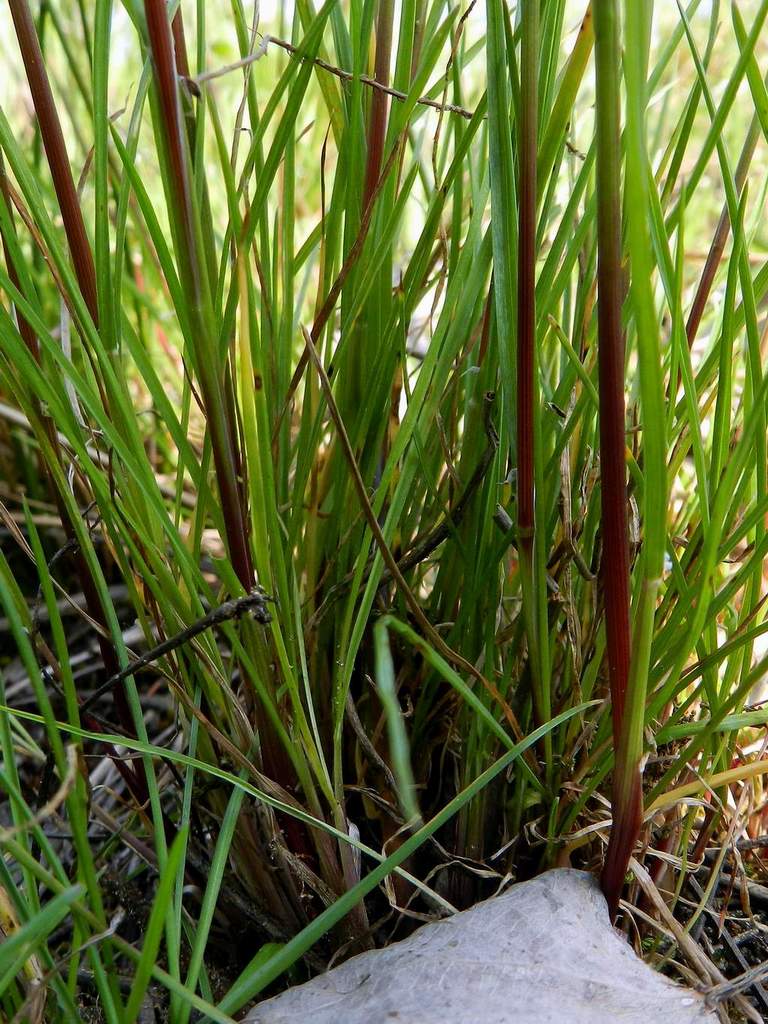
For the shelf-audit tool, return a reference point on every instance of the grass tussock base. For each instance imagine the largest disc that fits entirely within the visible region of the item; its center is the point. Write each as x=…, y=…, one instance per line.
x=383, y=485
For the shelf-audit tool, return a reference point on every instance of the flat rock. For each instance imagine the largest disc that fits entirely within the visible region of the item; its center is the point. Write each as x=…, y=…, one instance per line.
x=543, y=952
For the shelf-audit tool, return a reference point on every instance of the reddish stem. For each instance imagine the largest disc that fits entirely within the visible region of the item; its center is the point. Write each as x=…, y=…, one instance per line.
x=82, y=258
x=56, y=152
x=377, y=129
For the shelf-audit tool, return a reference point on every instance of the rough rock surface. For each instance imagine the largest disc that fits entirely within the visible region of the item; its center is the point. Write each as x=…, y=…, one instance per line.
x=543, y=952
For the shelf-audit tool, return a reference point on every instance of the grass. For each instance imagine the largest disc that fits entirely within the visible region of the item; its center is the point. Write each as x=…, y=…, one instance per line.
x=444, y=325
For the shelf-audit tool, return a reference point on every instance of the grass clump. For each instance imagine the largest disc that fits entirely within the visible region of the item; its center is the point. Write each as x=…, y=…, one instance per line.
x=383, y=440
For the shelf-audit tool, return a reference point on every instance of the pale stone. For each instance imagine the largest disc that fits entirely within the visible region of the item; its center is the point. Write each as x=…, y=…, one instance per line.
x=543, y=952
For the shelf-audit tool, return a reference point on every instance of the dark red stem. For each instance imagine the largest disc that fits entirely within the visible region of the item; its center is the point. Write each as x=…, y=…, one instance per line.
x=377, y=129
x=56, y=152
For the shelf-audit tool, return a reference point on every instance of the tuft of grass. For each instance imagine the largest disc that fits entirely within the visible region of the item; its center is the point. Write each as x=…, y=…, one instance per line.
x=382, y=476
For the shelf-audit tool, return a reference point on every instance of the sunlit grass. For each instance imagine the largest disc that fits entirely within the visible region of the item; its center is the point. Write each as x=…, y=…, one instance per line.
x=432, y=375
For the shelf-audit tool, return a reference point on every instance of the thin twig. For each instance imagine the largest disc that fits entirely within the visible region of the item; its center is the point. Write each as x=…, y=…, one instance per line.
x=365, y=742
x=254, y=602
x=735, y=986
x=704, y=967
x=752, y=844
x=346, y=76
x=739, y=983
